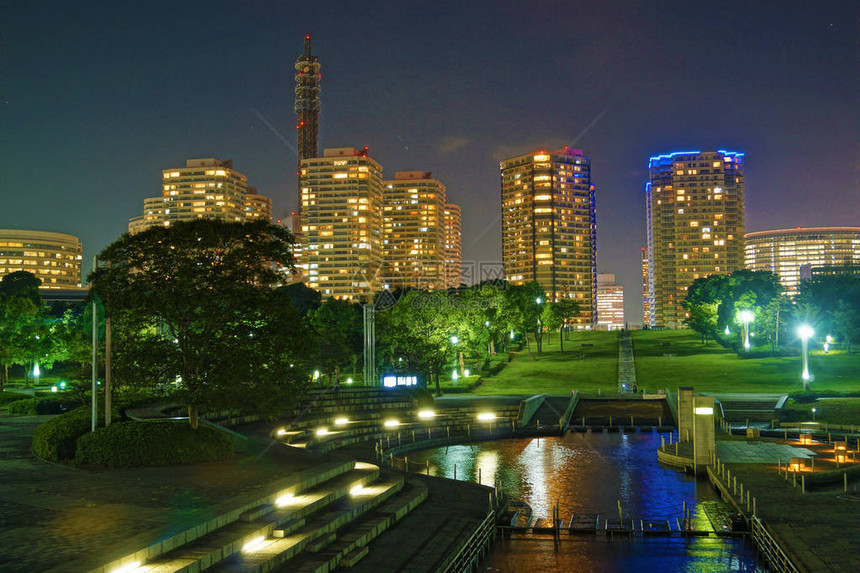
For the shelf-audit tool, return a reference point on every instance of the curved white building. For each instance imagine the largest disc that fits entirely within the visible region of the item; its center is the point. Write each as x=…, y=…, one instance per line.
x=55, y=258
x=794, y=253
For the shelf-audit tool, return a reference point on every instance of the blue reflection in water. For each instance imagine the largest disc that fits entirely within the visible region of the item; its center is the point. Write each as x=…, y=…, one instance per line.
x=590, y=473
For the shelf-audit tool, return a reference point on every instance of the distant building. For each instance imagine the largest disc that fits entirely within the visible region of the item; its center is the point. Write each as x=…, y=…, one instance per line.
x=453, y=245
x=695, y=224
x=55, y=258
x=341, y=221
x=548, y=226
x=610, y=303
x=797, y=254
x=413, y=219
x=646, y=304
x=204, y=189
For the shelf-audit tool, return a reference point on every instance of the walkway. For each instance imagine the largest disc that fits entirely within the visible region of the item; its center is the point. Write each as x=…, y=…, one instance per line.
x=626, y=367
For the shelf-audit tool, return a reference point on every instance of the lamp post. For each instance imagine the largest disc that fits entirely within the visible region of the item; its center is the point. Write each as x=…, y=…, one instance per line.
x=746, y=317
x=36, y=372
x=539, y=326
x=814, y=410
x=827, y=341
x=805, y=332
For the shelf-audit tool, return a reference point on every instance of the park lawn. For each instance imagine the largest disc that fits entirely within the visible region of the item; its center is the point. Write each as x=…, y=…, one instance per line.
x=555, y=372
x=672, y=358
x=845, y=411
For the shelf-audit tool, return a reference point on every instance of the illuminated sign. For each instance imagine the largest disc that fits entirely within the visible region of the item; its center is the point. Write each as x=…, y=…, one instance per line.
x=393, y=380
x=705, y=411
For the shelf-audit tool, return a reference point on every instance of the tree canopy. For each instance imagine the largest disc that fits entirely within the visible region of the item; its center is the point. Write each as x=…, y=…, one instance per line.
x=193, y=305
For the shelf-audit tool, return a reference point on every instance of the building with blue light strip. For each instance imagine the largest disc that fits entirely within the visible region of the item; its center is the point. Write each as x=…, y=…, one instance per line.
x=695, y=218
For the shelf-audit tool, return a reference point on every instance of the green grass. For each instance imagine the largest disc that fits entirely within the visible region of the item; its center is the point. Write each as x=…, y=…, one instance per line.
x=845, y=411
x=713, y=368
x=555, y=372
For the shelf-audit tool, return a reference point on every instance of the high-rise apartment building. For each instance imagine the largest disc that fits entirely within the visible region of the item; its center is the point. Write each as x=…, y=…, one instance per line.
x=413, y=219
x=610, y=303
x=548, y=226
x=204, y=189
x=453, y=245
x=307, y=107
x=794, y=253
x=55, y=258
x=646, y=305
x=342, y=223
x=695, y=213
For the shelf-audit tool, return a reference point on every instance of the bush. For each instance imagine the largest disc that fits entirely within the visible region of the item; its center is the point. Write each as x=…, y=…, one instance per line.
x=9, y=397
x=34, y=406
x=55, y=439
x=152, y=443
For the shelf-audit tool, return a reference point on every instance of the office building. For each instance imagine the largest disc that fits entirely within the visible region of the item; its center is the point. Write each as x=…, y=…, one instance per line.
x=695, y=224
x=206, y=188
x=548, y=226
x=610, y=303
x=55, y=258
x=341, y=221
x=453, y=246
x=797, y=254
x=413, y=219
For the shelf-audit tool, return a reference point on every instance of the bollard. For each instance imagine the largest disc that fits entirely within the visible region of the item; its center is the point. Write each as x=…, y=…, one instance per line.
x=754, y=510
x=469, y=430
x=479, y=476
x=583, y=421
x=779, y=466
x=429, y=434
x=734, y=485
x=398, y=439
x=748, y=501
x=406, y=463
x=794, y=479
x=512, y=425
x=413, y=436
x=662, y=443
x=537, y=424
x=610, y=420
x=631, y=420
x=389, y=441
x=455, y=471
x=829, y=439
x=660, y=421
x=620, y=514
x=813, y=463
x=803, y=484
x=428, y=467
x=391, y=459
x=845, y=481
x=784, y=434
x=742, y=491
x=448, y=430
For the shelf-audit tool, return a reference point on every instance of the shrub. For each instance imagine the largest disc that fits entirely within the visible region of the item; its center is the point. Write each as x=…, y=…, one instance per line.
x=55, y=439
x=9, y=397
x=152, y=443
x=34, y=406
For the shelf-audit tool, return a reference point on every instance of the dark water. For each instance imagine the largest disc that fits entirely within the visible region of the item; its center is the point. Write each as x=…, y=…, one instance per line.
x=591, y=473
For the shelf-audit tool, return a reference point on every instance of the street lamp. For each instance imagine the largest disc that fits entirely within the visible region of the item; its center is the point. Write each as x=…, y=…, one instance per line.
x=827, y=340
x=36, y=372
x=746, y=317
x=814, y=410
x=805, y=332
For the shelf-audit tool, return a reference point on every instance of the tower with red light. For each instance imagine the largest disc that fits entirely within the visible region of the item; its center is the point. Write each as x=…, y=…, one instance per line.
x=307, y=106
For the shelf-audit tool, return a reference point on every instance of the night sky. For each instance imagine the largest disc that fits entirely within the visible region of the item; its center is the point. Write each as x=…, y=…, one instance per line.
x=97, y=98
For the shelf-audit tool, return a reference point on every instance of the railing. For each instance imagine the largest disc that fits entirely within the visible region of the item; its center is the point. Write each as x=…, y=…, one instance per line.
x=528, y=407
x=571, y=406
x=469, y=556
x=773, y=554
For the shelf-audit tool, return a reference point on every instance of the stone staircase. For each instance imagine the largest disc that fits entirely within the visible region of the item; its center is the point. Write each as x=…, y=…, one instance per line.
x=328, y=421
x=741, y=408
x=323, y=520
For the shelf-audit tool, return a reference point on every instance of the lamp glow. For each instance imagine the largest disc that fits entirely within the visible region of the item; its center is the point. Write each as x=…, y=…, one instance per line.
x=284, y=500
x=746, y=317
x=455, y=339
x=805, y=332
x=281, y=432
x=704, y=411
x=341, y=421
x=357, y=490
x=253, y=544
x=466, y=373
x=391, y=423
x=349, y=380
x=486, y=417
x=127, y=567
x=426, y=414
x=322, y=432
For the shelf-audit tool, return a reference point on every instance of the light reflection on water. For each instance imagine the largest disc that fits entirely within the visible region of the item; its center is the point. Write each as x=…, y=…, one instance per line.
x=590, y=473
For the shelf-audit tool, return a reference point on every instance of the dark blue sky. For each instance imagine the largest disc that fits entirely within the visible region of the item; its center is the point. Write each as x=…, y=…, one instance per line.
x=97, y=98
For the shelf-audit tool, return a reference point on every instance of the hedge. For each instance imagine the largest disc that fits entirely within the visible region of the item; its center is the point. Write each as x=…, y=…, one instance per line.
x=7, y=397
x=34, y=406
x=55, y=439
x=152, y=443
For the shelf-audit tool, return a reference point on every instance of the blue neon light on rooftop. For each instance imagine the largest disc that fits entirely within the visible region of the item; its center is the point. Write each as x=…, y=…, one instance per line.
x=673, y=154
x=735, y=153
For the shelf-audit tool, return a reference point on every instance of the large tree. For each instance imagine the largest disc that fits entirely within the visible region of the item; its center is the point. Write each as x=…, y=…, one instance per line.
x=193, y=305
x=337, y=325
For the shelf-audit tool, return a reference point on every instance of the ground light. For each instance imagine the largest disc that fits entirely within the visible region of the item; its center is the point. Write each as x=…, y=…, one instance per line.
x=357, y=490
x=746, y=317
x=805, y=332
x=426, y=414
x=322, y=432
x=281, y=432
x=349, y=380
x=486, y=417
x=391, y=423
x=127, y=567
x=454, y=375
x=814, y=410
x=466, y=373
x=284, y=499
x=341, y=421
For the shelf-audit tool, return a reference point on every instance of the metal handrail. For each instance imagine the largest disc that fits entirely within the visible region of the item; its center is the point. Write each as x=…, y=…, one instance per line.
x=770, y=549
x=470, y=554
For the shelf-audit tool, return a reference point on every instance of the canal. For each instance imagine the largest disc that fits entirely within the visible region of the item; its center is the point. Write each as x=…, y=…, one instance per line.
x=592, y=473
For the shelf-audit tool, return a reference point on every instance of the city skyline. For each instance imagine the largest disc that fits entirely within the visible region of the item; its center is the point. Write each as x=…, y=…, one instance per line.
x=90, y=119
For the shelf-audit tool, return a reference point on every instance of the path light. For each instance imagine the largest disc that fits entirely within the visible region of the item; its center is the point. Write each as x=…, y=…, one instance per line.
x=827, y=341
x=341, y=421
x=284, y=500
x=357, y=490
x=322, y=432
x=454, y=375
x=466, y=373
x=349, y=380
x=391, y=423
x=814, y=410
x=316, y=374
x=805, y=332
x=512, y=335
x=486, y=417
x=426, y=414
x=281, y=432
x=727, y=331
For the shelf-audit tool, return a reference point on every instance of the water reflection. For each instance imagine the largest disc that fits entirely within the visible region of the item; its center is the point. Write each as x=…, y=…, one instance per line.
x=590, y=473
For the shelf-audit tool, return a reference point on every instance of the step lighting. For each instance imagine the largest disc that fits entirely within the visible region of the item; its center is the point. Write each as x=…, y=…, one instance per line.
x=322, y=432
x=281, y=432
x=391, y=423
x=341, y=421
x=127, y=567
x=284, y=499
x=426, y=414
x=357, y=490
x=253, y=544
x=486, y=417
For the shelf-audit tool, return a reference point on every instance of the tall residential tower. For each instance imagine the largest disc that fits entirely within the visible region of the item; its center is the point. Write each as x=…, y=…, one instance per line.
x=548, y=226
x=695, y=215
